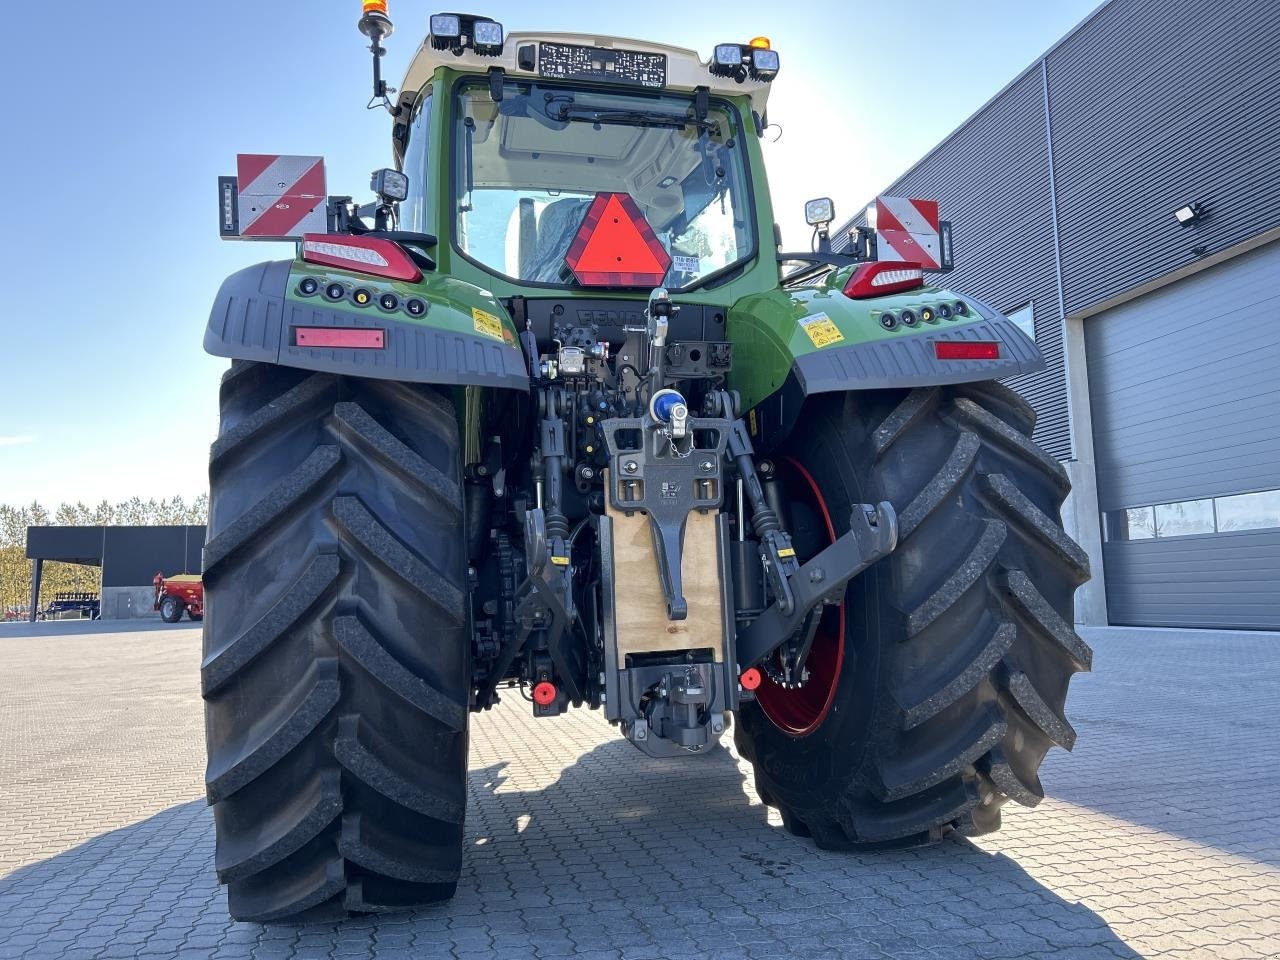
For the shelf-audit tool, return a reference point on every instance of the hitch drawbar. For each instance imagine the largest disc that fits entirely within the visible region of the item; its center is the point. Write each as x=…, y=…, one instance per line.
x=873, y=534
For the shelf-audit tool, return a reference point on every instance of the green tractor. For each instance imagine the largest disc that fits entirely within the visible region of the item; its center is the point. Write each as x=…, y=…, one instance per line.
x=555, y=417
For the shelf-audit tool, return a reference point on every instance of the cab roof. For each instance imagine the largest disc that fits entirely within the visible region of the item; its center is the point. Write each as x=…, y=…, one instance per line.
x=686, y=71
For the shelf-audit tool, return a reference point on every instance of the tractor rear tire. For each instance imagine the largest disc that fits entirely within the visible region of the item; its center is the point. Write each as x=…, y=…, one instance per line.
x=939, y=684
x=170, y=609
x=336, y=667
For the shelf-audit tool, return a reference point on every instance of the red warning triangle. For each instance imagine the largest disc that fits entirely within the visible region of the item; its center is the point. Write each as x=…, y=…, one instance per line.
x=616, y=247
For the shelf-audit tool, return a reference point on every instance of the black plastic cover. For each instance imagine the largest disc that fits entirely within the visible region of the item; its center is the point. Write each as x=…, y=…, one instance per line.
x=251, y=319
x=910, y=361
x=903, y=361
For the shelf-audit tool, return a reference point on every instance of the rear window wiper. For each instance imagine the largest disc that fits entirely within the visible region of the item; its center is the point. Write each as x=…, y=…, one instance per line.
x=561, y=111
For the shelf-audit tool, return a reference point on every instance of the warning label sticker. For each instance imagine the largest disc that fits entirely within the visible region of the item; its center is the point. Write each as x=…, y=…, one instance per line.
x=686, y=264
x=821, y=330
x=487, y=324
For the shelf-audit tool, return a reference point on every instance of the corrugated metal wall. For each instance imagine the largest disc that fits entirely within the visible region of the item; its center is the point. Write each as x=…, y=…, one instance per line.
x=1158, y=103
x=1230, y=581
x=1151, y=104
x=1185, y=389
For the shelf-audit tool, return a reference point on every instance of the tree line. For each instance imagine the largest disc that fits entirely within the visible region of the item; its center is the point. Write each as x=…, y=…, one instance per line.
x=15, y=568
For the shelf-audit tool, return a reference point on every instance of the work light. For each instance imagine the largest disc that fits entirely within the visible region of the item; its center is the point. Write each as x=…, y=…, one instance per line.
x=487, y=37
x=446, y=26
x=458, y=32
x=727, y=60
x=390, y=184
x=764, y=64
x=819, y=211
x=755, y=60
x=728, y=54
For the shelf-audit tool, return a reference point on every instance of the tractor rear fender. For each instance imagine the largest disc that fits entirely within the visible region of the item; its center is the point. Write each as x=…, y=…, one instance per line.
x=295, y=314
x=789, y=344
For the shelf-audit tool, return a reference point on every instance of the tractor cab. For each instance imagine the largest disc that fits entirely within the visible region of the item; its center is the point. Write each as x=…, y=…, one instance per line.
x=505, y=144
x=528, y=168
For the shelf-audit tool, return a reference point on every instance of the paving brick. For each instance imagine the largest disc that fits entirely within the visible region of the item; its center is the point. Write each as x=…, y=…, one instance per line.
x=1157, y=837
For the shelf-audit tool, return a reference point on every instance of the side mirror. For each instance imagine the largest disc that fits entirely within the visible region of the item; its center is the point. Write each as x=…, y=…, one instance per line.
x=819, y=212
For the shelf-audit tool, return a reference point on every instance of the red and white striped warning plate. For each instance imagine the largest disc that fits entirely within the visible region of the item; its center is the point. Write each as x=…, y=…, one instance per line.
x=907, y=229
x=280, y=196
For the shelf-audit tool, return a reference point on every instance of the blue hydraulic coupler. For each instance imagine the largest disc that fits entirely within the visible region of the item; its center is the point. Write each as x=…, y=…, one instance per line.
x=664, y=403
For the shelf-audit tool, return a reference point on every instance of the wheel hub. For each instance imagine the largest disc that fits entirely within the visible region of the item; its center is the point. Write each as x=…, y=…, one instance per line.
x=800, y=706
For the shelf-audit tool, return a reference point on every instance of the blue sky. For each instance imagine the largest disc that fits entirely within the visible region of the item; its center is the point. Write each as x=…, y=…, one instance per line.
x=120, y=117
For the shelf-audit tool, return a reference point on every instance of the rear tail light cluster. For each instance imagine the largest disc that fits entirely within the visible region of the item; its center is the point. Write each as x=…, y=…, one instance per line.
x=883, y=277
x=374, y=256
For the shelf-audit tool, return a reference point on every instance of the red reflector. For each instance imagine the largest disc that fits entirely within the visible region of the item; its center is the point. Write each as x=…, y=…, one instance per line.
x=750, y=678
x=381, y=258
x=882, y=277
x=616, y=247
x=359, y=338
x=966, y=349
x=544, y=693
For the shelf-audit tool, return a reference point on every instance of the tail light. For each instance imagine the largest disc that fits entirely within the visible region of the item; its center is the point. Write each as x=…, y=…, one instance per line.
x=371, y=255
x=966, y=349
x=880, y=278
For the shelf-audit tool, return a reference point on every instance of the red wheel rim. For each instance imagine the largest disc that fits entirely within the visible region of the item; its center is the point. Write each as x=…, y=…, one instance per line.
x=802, y=711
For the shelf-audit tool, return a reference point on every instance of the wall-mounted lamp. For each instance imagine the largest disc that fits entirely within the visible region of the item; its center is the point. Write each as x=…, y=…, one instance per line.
x=1189, y=214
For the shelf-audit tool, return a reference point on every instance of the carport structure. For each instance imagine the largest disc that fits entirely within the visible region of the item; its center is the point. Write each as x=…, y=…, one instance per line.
x=129, y=557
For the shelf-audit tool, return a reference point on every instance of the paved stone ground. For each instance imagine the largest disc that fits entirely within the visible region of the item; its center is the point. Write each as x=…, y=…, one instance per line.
x=1160, y=837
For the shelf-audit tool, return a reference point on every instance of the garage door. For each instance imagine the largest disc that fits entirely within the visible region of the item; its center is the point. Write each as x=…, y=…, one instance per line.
x=1185, y=391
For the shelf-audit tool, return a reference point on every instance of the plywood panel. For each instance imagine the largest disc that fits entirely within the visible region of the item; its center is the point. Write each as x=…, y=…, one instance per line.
x=640, y=611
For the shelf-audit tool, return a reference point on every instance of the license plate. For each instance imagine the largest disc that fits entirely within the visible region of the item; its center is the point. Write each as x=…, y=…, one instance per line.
x=567, y=61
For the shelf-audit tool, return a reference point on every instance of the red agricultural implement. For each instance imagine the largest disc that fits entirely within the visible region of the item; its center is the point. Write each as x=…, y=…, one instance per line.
x=178, y=593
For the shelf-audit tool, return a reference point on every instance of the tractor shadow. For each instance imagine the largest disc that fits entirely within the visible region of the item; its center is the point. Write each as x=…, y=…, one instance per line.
x=679, y=858
x=620, y=854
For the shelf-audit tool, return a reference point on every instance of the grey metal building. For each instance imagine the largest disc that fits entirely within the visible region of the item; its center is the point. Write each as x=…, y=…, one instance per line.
x=1120, y=198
